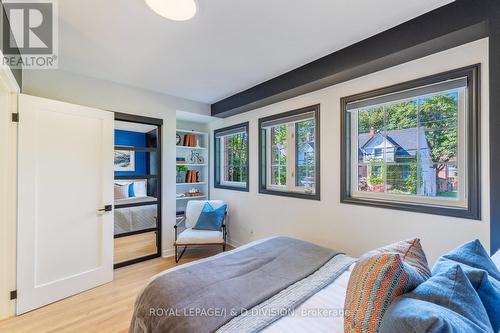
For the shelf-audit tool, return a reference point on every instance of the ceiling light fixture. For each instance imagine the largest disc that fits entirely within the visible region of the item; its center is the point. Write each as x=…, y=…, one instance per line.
x=177, y=10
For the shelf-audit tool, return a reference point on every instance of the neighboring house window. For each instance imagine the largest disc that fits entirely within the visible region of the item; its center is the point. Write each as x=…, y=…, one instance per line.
x=415, y=146
x=288, y=152
x=231, y=157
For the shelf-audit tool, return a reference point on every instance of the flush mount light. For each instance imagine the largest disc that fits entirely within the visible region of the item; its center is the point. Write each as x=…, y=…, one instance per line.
x=177, y=10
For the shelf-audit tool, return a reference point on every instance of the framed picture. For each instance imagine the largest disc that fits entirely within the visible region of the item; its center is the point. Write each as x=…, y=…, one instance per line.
x=124, y=160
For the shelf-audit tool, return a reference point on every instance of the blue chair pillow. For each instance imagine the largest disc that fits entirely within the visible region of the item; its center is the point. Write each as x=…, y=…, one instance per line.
x=482, y=273
x=211, y=218
x=447, y=302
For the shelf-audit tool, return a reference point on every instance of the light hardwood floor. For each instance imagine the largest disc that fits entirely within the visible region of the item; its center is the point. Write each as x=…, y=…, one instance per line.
x=107, y=308
x=135, y=246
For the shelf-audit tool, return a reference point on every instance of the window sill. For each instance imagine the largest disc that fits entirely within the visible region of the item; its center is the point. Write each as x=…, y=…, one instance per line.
x=465, y=213
x=232, y=187
x=291, y=194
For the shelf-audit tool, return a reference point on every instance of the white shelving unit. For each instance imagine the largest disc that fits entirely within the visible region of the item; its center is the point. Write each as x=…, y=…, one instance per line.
x=201, y=150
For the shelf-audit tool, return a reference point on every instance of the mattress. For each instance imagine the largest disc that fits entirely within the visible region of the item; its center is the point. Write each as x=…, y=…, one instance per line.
x=135, y=218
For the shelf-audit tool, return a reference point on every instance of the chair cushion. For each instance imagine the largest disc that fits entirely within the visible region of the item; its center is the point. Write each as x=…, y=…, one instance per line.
x=481, y=272
x=211, y=218
x=378, y=278
x=191, y=236
x=447, y=302
x=194, y=208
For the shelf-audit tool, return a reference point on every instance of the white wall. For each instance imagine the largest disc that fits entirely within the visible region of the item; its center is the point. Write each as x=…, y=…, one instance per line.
x=349, y=228
x=71, y=88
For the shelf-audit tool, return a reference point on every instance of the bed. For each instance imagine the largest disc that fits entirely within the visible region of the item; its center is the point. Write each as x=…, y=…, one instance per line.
x=283, y=285
x=277, y=284
x=134, y=218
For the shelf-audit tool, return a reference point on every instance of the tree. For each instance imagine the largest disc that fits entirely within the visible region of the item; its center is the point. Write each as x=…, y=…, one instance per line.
x=439, y=115
x=278, y=139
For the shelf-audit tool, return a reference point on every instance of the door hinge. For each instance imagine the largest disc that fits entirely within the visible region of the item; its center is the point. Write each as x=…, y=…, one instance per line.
x=13, y=294
x=15, y=117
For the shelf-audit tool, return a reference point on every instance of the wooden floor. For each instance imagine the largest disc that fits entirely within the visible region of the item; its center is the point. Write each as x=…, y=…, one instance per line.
x=107, y=308
x=135, y=246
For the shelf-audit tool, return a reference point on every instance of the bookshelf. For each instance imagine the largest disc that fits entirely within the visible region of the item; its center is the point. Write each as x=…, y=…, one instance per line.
x=191, y=157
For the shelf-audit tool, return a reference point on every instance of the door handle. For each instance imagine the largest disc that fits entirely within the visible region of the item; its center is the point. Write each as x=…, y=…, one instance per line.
x=106, y=208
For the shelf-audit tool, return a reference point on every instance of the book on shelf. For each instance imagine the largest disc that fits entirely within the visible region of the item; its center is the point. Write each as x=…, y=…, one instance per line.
x=190, y=140
x=192, y=176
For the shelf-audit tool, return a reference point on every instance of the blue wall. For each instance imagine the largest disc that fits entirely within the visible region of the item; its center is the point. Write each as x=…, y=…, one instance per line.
x=136, y=139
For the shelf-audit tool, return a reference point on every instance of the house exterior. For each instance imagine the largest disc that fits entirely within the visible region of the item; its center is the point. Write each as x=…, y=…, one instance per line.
x=397, y=151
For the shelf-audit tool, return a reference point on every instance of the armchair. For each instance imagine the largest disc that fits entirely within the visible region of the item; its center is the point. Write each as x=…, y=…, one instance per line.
x=188, y=236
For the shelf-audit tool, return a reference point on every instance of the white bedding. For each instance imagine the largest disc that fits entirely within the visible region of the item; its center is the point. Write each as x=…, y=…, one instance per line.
x=135, y=218
x=323, y=312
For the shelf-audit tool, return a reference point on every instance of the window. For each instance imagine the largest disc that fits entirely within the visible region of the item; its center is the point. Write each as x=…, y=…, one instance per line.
x=289, y=151
x=231, y=157
x=414, y=146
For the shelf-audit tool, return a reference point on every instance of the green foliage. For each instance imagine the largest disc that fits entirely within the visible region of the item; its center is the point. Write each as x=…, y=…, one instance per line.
x=181, y=168
x=439, y=116
x=411, y=183
x=373, y=178
x=305, y=141
x=236, y=146
x=278, y=141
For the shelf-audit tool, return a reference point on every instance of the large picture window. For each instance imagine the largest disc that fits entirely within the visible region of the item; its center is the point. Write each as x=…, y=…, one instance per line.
x=289, y=153
x=414, y=146
x=231, y=157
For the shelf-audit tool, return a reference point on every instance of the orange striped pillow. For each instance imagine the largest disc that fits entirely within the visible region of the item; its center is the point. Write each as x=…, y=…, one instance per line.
x=377, y=279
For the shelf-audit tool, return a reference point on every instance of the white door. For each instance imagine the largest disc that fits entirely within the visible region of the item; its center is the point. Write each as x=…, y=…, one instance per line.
x=65, y=176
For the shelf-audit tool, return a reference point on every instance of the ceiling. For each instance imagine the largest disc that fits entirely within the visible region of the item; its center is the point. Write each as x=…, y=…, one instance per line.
x=231, y=45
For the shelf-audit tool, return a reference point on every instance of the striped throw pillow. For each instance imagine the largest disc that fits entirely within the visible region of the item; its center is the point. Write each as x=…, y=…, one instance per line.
x=377, y=279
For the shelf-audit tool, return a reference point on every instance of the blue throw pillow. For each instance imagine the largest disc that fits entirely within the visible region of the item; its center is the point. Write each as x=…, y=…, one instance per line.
x=131, y=192
x=210, y=218
x=481, y=272
x=447, y=302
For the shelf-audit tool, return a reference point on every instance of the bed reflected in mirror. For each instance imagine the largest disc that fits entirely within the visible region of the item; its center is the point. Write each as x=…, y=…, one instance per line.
x=137, y=191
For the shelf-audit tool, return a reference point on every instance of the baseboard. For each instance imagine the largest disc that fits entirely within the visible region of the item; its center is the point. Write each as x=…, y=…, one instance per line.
x=167, y=253
x=234, y=243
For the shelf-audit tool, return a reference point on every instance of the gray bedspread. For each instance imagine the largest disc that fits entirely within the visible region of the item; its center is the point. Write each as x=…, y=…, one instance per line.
x=206, y=296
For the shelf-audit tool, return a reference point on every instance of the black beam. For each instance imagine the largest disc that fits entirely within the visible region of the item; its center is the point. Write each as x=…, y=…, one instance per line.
x=457, y=23
x=494, y=122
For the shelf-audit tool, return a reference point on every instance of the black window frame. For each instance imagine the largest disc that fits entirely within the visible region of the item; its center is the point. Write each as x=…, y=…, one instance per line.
x=263, y=154
x=473, y=191
x=217, y=161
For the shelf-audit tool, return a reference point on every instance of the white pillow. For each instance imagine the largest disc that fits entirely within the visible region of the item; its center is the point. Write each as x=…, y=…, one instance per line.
x=140, y=188
x=121, y=192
